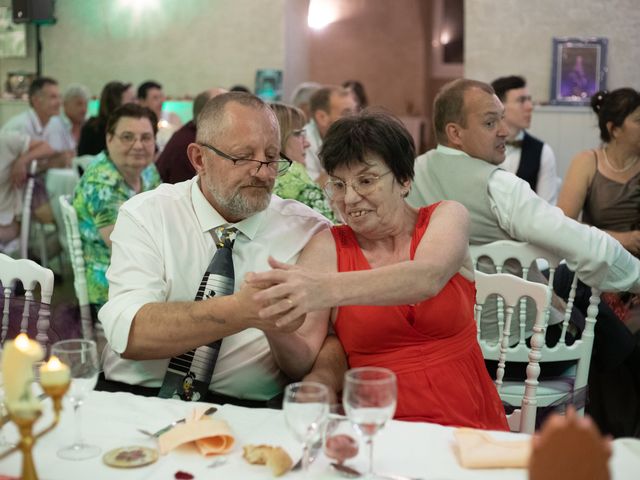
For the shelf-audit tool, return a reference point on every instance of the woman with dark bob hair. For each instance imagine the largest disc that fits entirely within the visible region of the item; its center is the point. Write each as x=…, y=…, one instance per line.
x=395, y=281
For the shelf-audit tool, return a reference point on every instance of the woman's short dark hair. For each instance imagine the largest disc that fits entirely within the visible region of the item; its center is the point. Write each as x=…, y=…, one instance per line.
x=351, y=139
x=614, y=107
x=131, y=110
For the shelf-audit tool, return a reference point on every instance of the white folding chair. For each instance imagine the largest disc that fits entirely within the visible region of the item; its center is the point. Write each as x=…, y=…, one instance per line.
x=74, y=244
x=30, y=274
x=578, y=354
x=511, y=290
x=30, y=228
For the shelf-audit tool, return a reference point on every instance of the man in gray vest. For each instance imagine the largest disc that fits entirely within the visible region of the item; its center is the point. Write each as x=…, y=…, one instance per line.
x=526, y=156
x=471, y=133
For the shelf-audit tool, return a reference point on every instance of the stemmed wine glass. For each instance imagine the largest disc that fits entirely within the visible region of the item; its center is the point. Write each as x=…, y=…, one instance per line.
x=82, y=358
x=369, y=399
x=306, y=406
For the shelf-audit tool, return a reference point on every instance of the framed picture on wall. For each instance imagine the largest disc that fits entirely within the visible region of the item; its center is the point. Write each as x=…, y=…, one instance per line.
x=13, y=37
x=579, y=69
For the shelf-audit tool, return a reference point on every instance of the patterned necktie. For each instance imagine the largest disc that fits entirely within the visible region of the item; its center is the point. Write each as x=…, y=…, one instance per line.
x=189, y=375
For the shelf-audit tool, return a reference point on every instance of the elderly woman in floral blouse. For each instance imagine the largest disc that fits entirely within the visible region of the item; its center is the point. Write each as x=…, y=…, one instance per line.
x=114, y=176
x=296, y=183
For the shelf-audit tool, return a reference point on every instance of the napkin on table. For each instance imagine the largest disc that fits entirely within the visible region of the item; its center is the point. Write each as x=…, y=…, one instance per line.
x=211, y=435
x=478, y=449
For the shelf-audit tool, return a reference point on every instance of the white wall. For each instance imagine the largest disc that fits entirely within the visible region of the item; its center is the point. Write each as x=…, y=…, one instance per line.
x=504, y=37
x=187, y=45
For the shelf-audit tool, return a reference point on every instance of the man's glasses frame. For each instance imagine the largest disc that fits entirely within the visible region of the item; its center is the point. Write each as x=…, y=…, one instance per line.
x=281, y=166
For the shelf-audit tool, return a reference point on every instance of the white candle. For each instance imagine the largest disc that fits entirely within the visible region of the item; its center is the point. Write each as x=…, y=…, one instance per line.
x=54, y=373
x=17, y=373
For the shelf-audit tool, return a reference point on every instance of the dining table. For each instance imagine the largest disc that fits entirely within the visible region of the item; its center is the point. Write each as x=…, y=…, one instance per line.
x=111, y=420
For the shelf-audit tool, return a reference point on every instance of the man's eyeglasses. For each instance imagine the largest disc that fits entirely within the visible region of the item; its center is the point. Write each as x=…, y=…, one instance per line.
x=129, y=138
x=363, y=185
x=278, y=166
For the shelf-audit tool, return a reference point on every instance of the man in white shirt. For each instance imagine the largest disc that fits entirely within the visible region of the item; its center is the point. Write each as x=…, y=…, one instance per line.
x=471, y=133
x=526, y=156
x=163, y=241
x=16, y=150
x=45, y=102
x=75, y=102
x=327, y=105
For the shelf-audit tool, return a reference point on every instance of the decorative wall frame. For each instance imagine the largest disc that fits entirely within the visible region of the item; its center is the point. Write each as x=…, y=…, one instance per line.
x=579, y=69
x=13, y=37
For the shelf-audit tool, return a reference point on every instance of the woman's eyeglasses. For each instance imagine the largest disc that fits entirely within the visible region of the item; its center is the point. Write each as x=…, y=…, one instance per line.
x=129, y=138
x=363, y=185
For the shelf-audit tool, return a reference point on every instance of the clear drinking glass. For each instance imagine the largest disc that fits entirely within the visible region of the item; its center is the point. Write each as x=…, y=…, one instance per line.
x=306, y=406
x=82, y=358
x=369, y=399
x=340, y=437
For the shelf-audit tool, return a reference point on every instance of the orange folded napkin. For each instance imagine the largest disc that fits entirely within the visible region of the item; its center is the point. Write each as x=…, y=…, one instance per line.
x=211, y=435
x=478, y=449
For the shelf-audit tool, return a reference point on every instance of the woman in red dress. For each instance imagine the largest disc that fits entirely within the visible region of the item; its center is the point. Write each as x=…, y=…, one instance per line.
x=395, y=281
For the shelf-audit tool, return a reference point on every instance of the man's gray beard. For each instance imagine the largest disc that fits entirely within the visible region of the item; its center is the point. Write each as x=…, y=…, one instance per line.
x=239, y=206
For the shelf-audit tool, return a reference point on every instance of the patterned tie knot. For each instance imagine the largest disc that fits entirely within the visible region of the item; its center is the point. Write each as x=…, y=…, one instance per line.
x=226, y=236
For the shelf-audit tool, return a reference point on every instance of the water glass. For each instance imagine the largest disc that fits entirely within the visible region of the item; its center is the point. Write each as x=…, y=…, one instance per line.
x=369, y=399
x=81, y=356
x=306, y=406
x=340, y=438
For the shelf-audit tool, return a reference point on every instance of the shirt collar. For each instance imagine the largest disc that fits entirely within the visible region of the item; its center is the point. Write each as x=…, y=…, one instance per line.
x=209, y=218
x=450, y=151
x=39, y=129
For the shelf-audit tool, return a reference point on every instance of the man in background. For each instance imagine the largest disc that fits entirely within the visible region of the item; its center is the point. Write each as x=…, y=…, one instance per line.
x=173, y=163
x=526, y=156
x=75, y=101
x=40, y=122
x=327, y=105
x=150, y=95
x=44, y=103
x=301, y=96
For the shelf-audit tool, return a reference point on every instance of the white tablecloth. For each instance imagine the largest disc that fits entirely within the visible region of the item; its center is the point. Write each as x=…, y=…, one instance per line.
x=110, y=421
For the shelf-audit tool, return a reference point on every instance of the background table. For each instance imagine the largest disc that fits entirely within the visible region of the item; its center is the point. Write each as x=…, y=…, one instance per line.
x=110, y=420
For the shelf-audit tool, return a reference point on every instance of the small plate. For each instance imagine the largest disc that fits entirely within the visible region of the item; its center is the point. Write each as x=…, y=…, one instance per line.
x=130, y=457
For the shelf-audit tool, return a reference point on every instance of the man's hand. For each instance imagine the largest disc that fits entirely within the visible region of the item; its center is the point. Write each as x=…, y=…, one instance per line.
x=19, y=171
x=61, y=159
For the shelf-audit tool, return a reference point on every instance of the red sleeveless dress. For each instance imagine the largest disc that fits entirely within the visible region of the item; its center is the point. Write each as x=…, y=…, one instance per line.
x=431, y=346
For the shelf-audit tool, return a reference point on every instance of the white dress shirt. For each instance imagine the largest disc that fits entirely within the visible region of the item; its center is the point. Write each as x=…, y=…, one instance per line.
x=597, y=257
x=54, y=132
x=12, y=145
x=312, y=160
x=547, y=185
x=161, y=249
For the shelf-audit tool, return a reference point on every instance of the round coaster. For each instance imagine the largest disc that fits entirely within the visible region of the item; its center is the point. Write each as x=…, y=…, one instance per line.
x=130, y=457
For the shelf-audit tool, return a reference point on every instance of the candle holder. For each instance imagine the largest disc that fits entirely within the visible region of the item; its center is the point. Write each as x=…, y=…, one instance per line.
x=25, y=420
